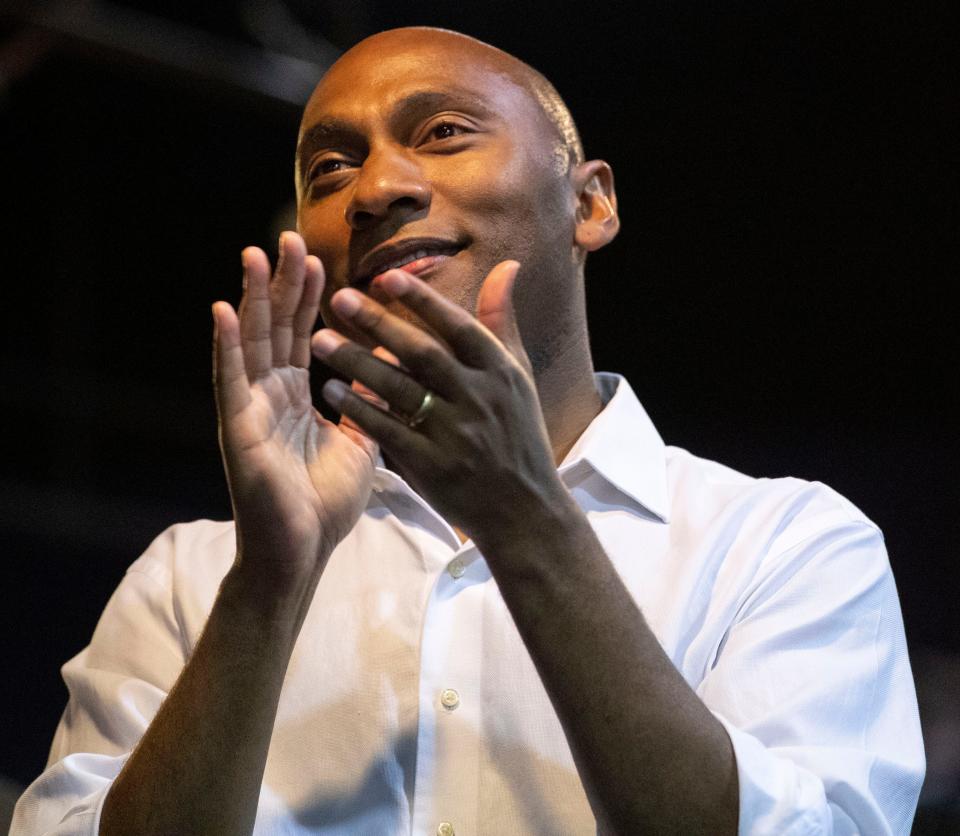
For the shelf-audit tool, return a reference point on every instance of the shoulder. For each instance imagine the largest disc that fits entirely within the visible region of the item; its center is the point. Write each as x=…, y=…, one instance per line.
x=188, y=561
x=776, y=515
x=190, y=546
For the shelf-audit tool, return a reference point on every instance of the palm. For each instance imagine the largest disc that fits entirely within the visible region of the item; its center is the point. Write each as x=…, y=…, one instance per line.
x=298, y=482
x=292, y=451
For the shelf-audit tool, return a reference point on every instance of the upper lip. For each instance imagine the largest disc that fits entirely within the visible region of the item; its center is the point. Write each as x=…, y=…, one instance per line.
x=378, y=259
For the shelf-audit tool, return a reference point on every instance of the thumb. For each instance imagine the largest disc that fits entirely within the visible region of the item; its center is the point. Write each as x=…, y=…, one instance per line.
x=495, y=307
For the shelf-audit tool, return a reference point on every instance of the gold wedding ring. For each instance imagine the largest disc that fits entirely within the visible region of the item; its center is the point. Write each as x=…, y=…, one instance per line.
x=423, y=410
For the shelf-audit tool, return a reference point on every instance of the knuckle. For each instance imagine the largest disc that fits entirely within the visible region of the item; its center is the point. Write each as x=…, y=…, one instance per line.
x=281, y=317
x=463, y=331
x=408, y=395
x=515, y=376
x=348, y=351
x=302, y=331
x=512, y=376
x=371, y=316
x=428, y=354
x=469, y=439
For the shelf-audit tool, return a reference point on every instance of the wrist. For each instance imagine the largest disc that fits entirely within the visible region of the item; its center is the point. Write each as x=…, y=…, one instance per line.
x=535, y=523
x=267, y=599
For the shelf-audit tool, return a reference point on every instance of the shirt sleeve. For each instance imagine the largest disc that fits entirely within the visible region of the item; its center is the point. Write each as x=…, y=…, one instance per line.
x=814, y=687
x=116, y=686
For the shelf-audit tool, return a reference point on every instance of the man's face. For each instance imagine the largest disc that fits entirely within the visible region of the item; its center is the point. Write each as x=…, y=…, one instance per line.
x=417, y=149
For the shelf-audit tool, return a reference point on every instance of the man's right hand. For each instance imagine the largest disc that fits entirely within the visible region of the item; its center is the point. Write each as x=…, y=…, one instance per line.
x=298, y=483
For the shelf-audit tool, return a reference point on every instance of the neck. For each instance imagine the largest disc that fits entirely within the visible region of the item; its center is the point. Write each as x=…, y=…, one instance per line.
x=568, y=397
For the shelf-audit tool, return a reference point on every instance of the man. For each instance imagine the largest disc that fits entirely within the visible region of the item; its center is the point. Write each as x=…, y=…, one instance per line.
x=539, y=619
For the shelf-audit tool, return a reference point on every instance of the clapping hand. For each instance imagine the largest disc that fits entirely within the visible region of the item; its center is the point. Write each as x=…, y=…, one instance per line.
x=298, y=483
x=464, y=423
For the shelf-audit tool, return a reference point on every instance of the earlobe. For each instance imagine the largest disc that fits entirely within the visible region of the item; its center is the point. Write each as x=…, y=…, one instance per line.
x=597, y=222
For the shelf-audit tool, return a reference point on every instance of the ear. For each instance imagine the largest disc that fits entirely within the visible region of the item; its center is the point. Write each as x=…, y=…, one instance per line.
x=597, y=220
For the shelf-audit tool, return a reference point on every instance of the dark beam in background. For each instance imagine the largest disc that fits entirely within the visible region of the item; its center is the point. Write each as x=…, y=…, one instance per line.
x=141, y=38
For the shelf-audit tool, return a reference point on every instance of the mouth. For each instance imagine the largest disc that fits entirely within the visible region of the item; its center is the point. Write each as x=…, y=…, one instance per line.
x=415, y=255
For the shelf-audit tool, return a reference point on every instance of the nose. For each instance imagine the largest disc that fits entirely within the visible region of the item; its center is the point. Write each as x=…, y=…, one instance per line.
x=389, y=182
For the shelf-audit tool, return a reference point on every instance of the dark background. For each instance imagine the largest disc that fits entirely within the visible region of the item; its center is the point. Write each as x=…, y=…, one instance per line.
x=778, y=296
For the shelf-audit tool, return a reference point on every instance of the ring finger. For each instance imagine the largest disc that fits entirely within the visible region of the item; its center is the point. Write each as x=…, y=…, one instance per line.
x=402, y=393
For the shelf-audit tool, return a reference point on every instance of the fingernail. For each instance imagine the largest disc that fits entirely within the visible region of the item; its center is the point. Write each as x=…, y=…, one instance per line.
x=386, y=355
x=325, y=342
x=346, y=302
x=334, y=392
x=280, y=243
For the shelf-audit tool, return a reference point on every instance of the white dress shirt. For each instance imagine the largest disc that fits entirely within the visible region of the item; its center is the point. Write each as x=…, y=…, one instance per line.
x=412, y=706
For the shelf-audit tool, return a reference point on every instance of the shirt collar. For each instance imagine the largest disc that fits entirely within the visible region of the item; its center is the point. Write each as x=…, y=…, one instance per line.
x=621, y=444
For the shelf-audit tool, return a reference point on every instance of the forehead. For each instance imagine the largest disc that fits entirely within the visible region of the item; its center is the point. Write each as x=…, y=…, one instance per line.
x=368, y=81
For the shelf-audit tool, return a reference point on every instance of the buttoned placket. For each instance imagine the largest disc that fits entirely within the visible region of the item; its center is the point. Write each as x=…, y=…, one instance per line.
x=450, y=721
x=445, y=796
x=450, y=688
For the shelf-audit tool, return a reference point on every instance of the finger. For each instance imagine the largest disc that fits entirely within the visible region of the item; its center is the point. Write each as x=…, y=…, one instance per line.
x=348, y=423
x=366, y=392
x=425, y=358
x=306, y=316
x=255, y=313
x=230, y=385
x=495, y=307
x=466, y=336
x=332, y=320
x=286, y=291
x=401, y=392
x=387, y=430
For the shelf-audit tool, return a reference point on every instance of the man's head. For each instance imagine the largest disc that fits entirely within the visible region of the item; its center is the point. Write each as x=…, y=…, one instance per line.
x=428, y=145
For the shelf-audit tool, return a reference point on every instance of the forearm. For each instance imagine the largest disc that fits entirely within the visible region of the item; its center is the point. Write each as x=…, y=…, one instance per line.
x=199, y=766
x=652, y=757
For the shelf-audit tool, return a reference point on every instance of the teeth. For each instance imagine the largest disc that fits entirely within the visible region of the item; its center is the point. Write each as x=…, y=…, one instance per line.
x=406, y=259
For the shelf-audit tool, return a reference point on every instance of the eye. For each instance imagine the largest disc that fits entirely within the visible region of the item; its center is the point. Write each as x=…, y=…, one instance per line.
x=328, y=165
x=445, y=130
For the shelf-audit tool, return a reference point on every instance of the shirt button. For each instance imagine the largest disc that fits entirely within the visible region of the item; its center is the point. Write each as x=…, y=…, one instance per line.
x=449, y=699
x=445, y=829
x=456, y=568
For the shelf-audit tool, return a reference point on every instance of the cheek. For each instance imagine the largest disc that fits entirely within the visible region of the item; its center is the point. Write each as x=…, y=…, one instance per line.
x=526, y=221
x=320, y=225
x=511, y=200
x=492, y=185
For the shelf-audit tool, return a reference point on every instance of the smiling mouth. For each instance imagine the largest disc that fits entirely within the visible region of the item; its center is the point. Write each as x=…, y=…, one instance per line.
x=417, y=258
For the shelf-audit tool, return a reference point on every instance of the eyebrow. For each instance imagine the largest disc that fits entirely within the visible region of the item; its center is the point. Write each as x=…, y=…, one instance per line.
x=328, y=132
x=333, y=131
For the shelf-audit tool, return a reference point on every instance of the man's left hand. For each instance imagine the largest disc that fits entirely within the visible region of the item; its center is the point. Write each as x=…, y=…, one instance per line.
x=477, y=449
